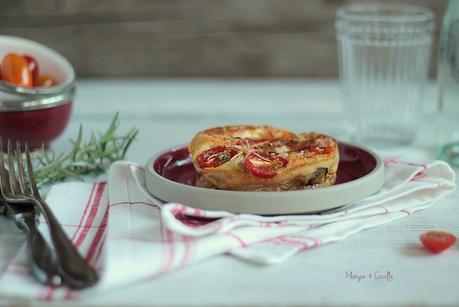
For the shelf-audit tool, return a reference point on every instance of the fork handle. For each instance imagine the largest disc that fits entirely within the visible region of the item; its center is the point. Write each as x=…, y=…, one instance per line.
x=41, y=257
x=74, y=269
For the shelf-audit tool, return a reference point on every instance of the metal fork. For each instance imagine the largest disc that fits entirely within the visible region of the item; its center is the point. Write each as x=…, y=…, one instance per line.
x=74, y=270
x=41, y=257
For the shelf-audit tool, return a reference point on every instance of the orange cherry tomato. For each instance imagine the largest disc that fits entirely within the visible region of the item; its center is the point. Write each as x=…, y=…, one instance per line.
x=45, y=81
x=33, y=66
x=15, y=69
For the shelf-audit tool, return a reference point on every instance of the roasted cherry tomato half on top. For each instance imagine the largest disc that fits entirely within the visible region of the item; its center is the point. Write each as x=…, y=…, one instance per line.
x=263, y=164
x=216, y=156
x=33, y=66
x=437, y=241
x=15, y=69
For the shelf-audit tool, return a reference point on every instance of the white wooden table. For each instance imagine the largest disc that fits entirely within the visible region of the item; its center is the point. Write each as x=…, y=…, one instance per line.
x=169, y=113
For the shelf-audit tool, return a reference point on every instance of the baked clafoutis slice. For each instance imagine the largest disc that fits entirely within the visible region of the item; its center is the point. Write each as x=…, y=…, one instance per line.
x=263, y=158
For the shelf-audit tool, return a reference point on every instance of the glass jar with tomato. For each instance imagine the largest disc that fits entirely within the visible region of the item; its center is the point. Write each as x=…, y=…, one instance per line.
x=37, y=87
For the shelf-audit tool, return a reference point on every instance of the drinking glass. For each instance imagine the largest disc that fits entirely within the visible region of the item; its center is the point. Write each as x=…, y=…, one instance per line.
x=384, y=55
x=448, y=81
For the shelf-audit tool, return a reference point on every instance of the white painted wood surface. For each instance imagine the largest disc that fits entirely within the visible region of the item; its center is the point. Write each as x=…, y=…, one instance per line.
x=169, y=113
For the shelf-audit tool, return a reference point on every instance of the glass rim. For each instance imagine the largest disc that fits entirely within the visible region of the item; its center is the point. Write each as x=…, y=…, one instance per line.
x=375, y=12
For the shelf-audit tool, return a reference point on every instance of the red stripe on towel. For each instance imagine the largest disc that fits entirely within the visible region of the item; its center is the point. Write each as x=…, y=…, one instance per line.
x=49, y=296
x=284, y=240
x=187, y=249
x=397, y=160
x=85, y=210
x=238, y=238
x=169, y=260
x=92, y=214
x=97, y=238
x=304, y=244
x=198, y=212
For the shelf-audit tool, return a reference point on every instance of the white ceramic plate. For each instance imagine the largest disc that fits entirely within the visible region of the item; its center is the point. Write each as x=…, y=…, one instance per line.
x=170, y=176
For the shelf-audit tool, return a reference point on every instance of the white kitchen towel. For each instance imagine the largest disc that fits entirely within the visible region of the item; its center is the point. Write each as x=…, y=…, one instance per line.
x=130, y=236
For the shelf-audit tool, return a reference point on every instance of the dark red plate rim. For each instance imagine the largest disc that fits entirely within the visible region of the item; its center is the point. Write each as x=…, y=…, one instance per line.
x=176, y=164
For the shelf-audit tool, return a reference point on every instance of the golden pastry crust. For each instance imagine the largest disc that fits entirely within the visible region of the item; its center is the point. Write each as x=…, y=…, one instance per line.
x=263, y=158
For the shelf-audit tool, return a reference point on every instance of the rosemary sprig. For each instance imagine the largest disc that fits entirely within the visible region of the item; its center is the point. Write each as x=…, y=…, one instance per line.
x=86, y=158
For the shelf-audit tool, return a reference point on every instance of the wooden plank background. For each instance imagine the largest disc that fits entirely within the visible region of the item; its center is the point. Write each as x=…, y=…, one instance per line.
x=187, y=38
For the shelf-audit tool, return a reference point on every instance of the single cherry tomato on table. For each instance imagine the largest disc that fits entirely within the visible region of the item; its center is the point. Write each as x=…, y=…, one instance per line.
x=216, y=156
x=45, y=81
x=437, y=241
x=263, y=164
x=16, y=70
x=33, y=66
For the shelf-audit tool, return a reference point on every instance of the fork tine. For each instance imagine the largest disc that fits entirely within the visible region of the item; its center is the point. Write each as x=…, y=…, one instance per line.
x=32, y=182
x=2, y=171
x=19, y=160
x=14, y=189
x=1, y=157
x=4, y=176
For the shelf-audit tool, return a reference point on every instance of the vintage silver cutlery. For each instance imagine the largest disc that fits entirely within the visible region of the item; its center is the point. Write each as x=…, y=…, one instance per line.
x=73, y=269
